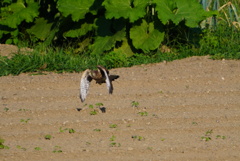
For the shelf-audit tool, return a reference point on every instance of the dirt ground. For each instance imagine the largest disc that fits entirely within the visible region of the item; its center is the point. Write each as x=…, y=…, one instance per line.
x=187, y=110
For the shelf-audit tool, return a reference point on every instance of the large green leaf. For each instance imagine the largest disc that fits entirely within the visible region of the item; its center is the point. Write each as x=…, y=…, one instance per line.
x=107, y=34
x=17, y=12
x=76, y=8
x=124, y=49
x=147, y=36
x=132, y=9
x=105, y=43
x=177, y=11
x=41, y=29
x=80, y=30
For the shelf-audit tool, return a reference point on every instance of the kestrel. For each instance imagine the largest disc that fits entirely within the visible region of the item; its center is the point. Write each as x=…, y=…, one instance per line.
x=100, y=76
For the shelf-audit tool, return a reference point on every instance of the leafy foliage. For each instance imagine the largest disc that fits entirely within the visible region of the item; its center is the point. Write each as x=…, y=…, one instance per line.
x=128, y=9
x=113, y=32
x=76, y=8
x=140, y=24
x=146, y=36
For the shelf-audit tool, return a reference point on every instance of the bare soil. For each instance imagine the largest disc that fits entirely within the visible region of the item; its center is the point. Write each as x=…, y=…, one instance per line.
x=188, y=110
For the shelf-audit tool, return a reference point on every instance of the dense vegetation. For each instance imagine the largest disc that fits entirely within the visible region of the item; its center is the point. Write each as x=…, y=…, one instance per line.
x=77, y=34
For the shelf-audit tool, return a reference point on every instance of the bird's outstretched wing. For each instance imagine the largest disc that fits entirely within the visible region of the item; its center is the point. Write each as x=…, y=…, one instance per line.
x=108, y=82
x=85, y=84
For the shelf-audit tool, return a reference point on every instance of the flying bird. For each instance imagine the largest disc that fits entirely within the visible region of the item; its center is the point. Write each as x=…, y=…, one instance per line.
x=100, y=76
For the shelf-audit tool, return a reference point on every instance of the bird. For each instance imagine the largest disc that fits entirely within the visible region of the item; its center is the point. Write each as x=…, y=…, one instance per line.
x=100, y=76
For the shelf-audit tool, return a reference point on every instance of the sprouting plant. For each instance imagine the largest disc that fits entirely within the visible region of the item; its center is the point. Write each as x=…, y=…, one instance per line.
x=22, y=148
x=154, y=115
x=38, y=148
x=97, y=130
x=112, y=138
x=150, y=148
x=71, y=131
x=220, y=137
x=23, y=109
x=194, y=123
x=163, y=139
x=143, y=113
x=25, y=121
x=139, y=138
x=134, y=104
x=2, y=146
x=209, y=132
x=57, y=149
x=99, y=104
x=62, y=130
x=88, y=143
x=114, y=144
x=48, y=137
x=6, y=109
x=113, y=125
x=207, y=136
x=91, y=106
x=93, y=112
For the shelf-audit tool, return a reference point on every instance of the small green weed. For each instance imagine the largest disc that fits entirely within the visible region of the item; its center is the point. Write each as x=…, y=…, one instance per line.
x=88, y=143
x=143, y=113
x=113, y=143
x=99, y=104
x=139, y=138
x=209, y=132
x=163, y=139
x=48, y=137
x=94, y=112
x=6, y=109
x=134, y=104
x=113, y=125
x=112, y=138
x=150, y=148
x=2, y=146
x=91, y=106
x=62, y=130
x=25, y=121
x=97, y=130
x=57, y=149
x=22, y=148
x=71, y=131
x=37, y=148
x=207, y=136
x=23, y=109
x=194, y=123
x=220, y=137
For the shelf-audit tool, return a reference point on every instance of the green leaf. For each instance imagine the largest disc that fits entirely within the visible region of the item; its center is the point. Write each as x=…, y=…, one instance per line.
x=102, y=44
x=107, y=38
x=41, y=29
x=177, y=11
x=76, y=8
x=18, y=12
x=81, y=29
x=132, y=9
x=147, y=36
x=124, y=49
